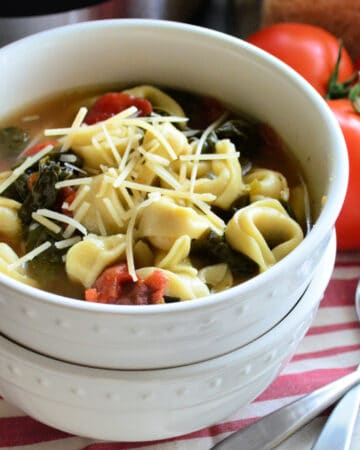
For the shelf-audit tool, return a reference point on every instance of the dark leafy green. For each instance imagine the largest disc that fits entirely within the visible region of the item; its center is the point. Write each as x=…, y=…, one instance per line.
x=215, y=249
x=242, y=133
x=50, y=169
x=46, y=264
x=13, y=141
x=227, y=214
x=171, y=299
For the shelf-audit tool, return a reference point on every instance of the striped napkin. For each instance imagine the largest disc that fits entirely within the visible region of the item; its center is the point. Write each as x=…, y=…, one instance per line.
x=331, y=349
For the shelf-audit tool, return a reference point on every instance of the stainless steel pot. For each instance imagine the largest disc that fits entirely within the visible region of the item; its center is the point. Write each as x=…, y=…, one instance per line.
x=14, y=24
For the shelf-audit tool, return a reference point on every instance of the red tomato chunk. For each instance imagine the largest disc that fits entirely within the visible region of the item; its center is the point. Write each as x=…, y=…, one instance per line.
x=116, y=286
x=112, y=103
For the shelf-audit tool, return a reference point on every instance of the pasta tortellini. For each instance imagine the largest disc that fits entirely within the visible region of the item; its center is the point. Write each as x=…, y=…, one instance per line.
x=264, y=183
x=217, y=276
x=226, y=182
x=177, y=258
x=163, y=222
x=10, y=224
x=99, y=206
x=88, y=258
x=158, y=99
x=179, y=285
x=93, y=145
x=264, y=232
x=9, y=266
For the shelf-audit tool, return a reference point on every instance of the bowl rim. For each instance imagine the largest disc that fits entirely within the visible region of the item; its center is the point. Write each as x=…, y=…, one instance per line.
x=320, y=229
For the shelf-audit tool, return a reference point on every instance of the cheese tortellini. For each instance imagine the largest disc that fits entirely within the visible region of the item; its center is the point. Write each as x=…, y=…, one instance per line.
x=87, y=259
x=10, y=224
x=9, y=266
x=264, y=183
x=264, y=232
x=163, y=222
x=179, y=285
x=226, y=183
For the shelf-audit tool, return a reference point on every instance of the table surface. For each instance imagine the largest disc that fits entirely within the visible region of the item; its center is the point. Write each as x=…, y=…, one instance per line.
x=330, y=349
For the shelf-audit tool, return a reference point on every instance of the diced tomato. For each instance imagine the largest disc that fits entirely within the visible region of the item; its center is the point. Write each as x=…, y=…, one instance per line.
x=116, y=286
x=32, y=180
x=91, y=295
x=37, y=147
x=156, y=282
x=65, y=195
x=112, y=103
x=111, y=283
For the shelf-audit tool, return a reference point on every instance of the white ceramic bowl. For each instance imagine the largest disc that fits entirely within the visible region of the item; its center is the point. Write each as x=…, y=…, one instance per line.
x=207, y=62
x=155, y=404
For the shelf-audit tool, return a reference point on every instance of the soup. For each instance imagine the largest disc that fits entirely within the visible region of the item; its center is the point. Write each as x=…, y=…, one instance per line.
x=144, y=195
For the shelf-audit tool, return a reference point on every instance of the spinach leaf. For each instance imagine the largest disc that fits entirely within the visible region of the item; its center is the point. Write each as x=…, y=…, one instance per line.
x=215, y=249
x=171, y=299
x=237, y=204
x=46, y=264
x=13, y=141
x=50, y=169
x=242, y=133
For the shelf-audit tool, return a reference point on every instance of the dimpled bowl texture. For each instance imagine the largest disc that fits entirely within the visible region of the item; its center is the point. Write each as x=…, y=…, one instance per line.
x=206, y=62
x=155, y=404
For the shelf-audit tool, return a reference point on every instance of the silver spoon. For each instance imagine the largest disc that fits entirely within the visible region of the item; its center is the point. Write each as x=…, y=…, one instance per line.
x=339, y=427
x=276, y=427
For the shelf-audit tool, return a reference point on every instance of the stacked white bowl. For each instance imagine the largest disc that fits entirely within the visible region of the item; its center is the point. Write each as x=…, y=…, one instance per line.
x=178, y=367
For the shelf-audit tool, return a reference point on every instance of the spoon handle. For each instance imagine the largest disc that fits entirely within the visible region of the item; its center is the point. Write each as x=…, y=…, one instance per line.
x=339, y=427
x=274, y=428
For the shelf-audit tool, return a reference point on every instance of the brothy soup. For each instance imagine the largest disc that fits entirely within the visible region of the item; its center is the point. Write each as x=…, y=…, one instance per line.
x=144, y=195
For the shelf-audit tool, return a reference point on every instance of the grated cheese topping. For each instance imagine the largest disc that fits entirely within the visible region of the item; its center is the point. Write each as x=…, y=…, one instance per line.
x=30, y=255
x=62, y=218
x=46, y=222
x=16, y=173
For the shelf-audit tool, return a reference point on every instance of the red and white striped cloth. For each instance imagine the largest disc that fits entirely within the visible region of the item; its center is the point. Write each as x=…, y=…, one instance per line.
x=331, y=349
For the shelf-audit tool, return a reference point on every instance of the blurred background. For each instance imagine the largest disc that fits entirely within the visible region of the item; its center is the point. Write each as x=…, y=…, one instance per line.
x=236, y=17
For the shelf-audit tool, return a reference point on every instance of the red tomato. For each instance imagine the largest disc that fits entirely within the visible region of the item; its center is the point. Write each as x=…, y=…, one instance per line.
x=115, y=285
x=112, y=103
x=309, y=49
x=65, y=195
x=348, y=222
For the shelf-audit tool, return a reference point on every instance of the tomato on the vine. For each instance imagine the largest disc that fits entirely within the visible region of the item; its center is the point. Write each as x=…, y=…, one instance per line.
x=348, y=222
x=309, y=49
x=321, y=59
x=357, y=63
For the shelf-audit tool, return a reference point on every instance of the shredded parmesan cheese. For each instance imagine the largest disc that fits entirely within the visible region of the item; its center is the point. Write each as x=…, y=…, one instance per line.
x=130, y=232
x=153, y=130
x=80, y=195
x=181, y=194
x=73, y=182
x=31, y=255
x=25, y=165
x=46, y=222
x=65, y=243
x=62, y=218
x=209, y=156
x=111, y=145
x=91, y=129
x=199, y=147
